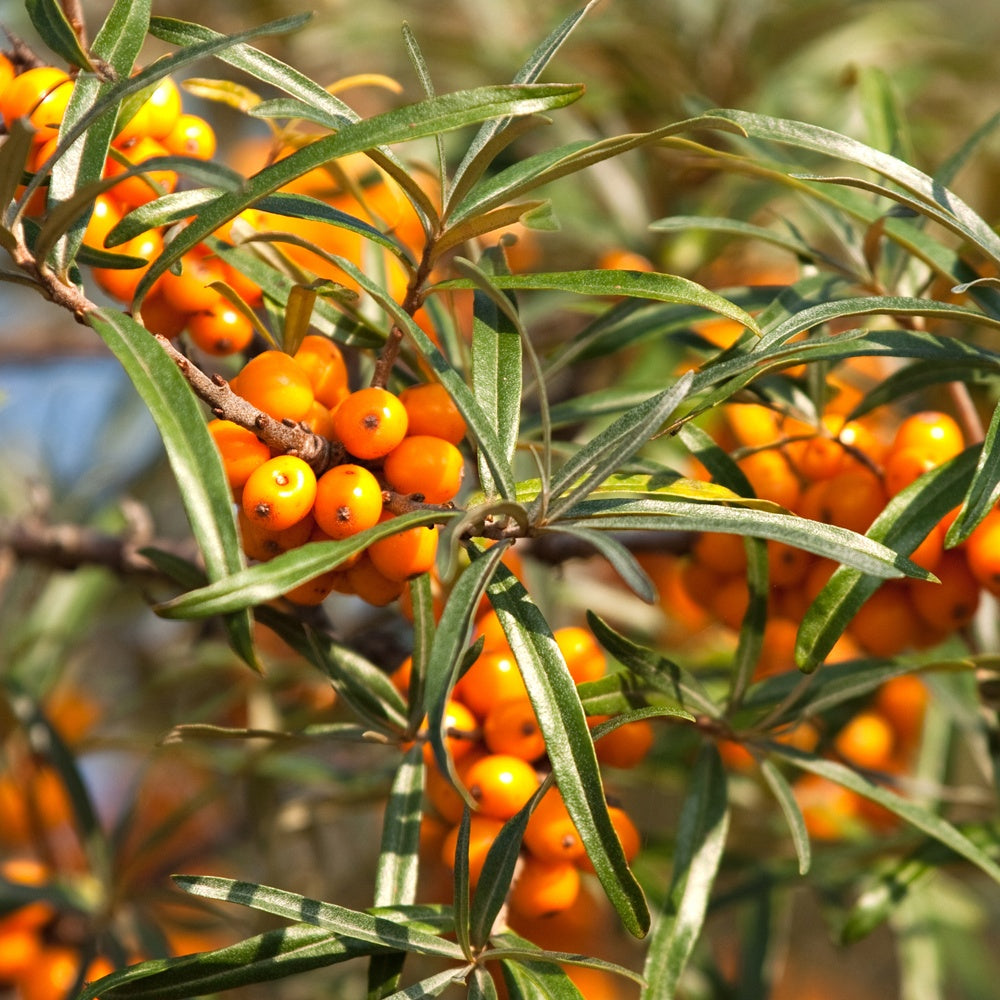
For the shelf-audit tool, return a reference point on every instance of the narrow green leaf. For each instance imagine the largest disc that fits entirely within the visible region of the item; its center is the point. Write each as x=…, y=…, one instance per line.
x=537, y=980
x=18, y=143
x=463, y=883
x=624, y=693
x=53, y=26
x=473, y=163
x=567, y=738
x=701, y=838
x=606, y=452
x=434, y=985
x=349, y=925
x=266, y=581
x=424, y=626
x=663, y=674
x=482, y=986
x=782, y=791
x=733, y=227
x=275, y=954
x=878, y=902
x=984, y=490
x=193, y=456
x=862, y=552
x=496, y=371
x=913, y=813
x=396, y=875
x=638, y=284
x=620, y=558
x=498, y=873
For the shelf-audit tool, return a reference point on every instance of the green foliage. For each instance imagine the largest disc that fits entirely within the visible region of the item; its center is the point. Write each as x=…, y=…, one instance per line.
x=595, y=468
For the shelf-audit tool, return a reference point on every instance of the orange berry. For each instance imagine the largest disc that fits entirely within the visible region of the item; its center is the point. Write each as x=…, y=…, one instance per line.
x=241, y=450
x=829, y=810
x=279, y=493
x=936, y=434
x=315, y=591
x=277, y=384
x=189, y=289
x=752, y=424
x=348, y=500
x=550, y=834
x=501, y=784
x=488, y=628
x=7, y=73
x=584, y=657
x=730, y=601
x=370, y=422
x=39, y=94
x=461, y=729
x=221, y=330
x=421, y=465
x=104, y=216
x=483, y=830
x=155, y=117
x=493, y=677
x=777, y=651
x=903, y=701
x=626, y=746
x=887, y=622
x=407, y=553
x=982, y=550
x=191, y=136
x=543, y=888
x=370, y=585
x=121, y=283
x=865, y=741
x=138, y=189
x=510, y=727
x=771, y=477
x=323, y=362
x=952, y=603
x=852, y=500
x=400, y=677
x=160, y=317
x=431, y=410
x=904, y=466
x=787, y=565
x=720, y=552
x=262, y=544
x=20, y=951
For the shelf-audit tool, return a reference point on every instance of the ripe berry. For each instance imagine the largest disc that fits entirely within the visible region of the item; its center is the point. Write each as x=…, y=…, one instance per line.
x=431, y=410
x=241, y=450
x=263, y=544
x=279, y=493
x=155, y=117
x=583, y=656
x=275, y=383
x=323, y=362
x=141, y=188
x=221, y=330
x=407, y=553
x=39, y=94
x=936, y=434
x=493, y=677
x=511, y=727
x=348, y=500
x=628, y=836
x=370, y=585
x=544, y=888
x=982, y=550
x=866, y=740
x=501, y=784
x=425, y=466
x=627, y=745
x=191, y=136
x=550, y=834
x=483, y=830
x=370, y=422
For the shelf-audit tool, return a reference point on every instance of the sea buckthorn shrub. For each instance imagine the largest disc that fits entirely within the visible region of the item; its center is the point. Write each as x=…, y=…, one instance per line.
x=592, y=589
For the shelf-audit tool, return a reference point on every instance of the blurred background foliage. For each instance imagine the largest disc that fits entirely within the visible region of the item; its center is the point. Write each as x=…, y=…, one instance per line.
x=73, y=434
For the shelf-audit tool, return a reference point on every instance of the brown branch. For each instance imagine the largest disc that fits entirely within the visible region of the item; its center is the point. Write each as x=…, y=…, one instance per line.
x=281, y=436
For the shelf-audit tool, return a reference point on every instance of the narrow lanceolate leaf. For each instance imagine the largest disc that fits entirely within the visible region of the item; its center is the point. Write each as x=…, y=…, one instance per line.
x=537, y=980
x=349, y=925
x=822, y=140
x=655, y=669
x=984, y=490
x=782, y=791
x=450, y=641
x=432, y=986
x=593, y=463
x=265, y=581
x=620, y=558
x=913, y=813
x=471, y=167
x=567, y=738
x=429, y=117
x=462, y=897
x=193, y=457
x=276, y=954
x=657, y=287
x=878, y=902
x=860, y=551
x=53, y=26
x=496, y=374
x=903, y=525
x=482, y=986
x=18, y=143
x=701, y=838
x=396, y=875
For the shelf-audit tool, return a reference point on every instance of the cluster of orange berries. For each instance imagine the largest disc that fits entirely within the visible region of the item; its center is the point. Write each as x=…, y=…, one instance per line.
x=185, y=300
x=844, y=474
x=404, y=444
x=500, y=757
